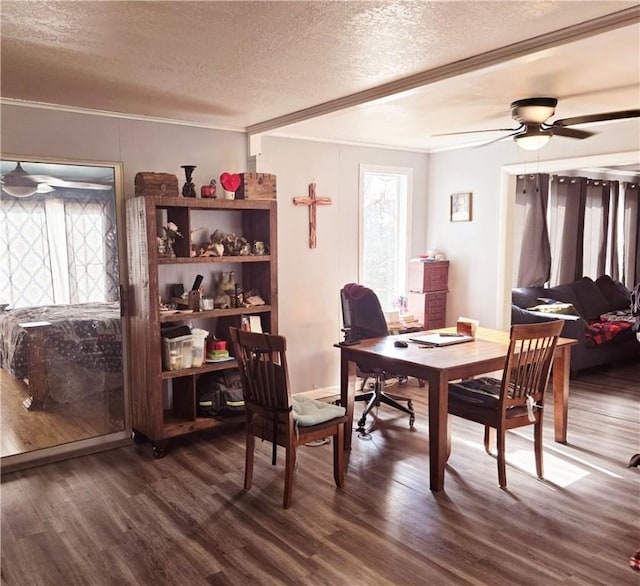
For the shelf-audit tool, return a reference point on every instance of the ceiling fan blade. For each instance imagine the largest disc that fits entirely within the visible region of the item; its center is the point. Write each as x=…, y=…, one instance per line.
x=477, y=131
x=505, y=137
x=570, y=132
x=55, y=182
x=602, y=117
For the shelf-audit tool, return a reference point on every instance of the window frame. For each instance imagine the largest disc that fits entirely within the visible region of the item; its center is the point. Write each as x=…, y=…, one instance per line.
x=404, y=244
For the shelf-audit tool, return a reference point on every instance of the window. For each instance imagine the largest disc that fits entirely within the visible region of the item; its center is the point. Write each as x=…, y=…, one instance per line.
x=58, y=250
x=384, y=230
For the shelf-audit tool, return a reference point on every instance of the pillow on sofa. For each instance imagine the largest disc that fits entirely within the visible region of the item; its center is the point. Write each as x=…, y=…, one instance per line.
x=522, y=316
x=614, y=292
x=563, y=308
x=526, y=296
x=591, y=302
x=564, y=294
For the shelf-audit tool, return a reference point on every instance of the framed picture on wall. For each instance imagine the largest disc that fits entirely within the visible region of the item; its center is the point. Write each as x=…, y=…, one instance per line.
x=461, y=207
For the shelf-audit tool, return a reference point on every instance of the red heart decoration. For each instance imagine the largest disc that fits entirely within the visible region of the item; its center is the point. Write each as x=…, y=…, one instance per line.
x=230, y=181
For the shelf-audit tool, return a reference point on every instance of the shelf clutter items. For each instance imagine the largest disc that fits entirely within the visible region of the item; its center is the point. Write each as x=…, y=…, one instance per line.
x=184, y=347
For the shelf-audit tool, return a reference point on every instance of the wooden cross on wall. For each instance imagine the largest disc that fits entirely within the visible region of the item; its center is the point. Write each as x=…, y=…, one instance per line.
x=312, y=201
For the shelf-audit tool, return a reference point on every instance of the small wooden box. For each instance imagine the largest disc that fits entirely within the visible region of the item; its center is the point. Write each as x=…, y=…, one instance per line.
x=428, y=276
x=148, y=183
x=257, y=186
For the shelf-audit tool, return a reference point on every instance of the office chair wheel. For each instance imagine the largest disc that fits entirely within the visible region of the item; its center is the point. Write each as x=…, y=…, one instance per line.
x=361, y=423
x=412, y=417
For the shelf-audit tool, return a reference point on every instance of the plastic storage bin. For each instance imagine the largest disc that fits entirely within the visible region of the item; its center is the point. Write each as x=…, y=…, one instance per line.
x=198, y=350
x=178, y=353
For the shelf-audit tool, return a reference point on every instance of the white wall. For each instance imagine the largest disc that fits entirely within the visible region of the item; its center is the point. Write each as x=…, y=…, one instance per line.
x=139, y=145
x=310, y=279
x=478, y=252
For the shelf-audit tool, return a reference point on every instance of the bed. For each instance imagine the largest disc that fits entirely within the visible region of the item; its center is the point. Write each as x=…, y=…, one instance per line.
x=64, y=353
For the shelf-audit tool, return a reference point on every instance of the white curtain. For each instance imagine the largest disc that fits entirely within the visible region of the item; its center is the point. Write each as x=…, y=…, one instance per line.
x=58, y=250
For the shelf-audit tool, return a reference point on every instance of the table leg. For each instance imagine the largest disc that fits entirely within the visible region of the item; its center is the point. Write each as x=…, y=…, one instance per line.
x=37, y=368
x=347, y=395
x=560, y=378
x=438, y=432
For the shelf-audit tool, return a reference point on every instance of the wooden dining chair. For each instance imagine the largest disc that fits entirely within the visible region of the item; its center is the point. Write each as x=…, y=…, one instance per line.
x=273, y=414
x=518, y=398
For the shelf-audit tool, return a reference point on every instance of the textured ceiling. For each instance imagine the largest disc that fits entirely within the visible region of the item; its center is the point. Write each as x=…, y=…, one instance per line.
x=240, y=65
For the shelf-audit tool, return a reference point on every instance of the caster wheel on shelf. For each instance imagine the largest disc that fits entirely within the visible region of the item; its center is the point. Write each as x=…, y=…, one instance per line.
x=138, y=438
x=159, y=451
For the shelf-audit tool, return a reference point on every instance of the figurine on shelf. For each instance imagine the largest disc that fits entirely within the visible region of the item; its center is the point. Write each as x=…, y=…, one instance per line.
x=188, y=189
x=231, y=245
x=252, y=298
x=259, y=248
x=226, y=291
x=209, y=191
x=245, y=247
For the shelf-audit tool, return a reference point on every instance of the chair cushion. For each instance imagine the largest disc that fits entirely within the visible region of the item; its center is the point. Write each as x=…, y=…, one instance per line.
x=308, y=412
x=484, y=392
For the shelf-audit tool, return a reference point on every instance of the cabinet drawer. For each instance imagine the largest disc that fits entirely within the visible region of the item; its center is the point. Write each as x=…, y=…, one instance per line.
x=436, y=312
x=432, y=323
x=428, y=276
x=428, y=308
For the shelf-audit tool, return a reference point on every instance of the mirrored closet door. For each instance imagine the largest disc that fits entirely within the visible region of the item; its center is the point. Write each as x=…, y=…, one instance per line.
x=62, y=336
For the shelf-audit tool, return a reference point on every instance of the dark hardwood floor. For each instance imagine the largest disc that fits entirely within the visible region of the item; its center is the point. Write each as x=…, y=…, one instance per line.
x=120, y=517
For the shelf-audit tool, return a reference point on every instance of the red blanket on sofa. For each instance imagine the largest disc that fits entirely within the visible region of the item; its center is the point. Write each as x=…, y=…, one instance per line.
x=603, y=331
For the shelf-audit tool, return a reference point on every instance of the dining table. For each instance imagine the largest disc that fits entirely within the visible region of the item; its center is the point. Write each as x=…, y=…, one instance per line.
x=437, y=366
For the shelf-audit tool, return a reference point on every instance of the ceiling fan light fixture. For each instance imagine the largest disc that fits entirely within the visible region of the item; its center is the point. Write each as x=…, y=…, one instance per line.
x=533, y=142
x=20, y=190
x=533, y=138
x=533, y=110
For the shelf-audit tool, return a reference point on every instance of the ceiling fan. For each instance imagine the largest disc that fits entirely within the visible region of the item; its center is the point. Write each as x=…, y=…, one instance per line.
x=19, y=183
x=535, y=130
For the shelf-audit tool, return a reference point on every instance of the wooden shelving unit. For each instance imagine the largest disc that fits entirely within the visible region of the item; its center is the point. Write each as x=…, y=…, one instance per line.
x=163, y=402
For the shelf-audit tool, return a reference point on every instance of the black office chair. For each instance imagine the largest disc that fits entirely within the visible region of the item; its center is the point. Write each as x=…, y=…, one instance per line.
x=363, y=318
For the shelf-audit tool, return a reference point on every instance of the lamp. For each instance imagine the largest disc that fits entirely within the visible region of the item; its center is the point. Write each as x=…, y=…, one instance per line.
x=533, y=138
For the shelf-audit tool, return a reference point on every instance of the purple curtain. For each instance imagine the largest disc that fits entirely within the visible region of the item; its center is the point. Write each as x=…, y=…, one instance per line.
x=531, y=218
x=567, y=212
x=598, y=246
x=631, y=252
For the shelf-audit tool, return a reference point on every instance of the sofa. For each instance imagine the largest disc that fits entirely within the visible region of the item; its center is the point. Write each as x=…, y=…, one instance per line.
x=596, y=313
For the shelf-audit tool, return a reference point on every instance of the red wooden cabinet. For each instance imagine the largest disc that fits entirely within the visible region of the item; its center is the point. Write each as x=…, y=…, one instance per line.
x=428, y=288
